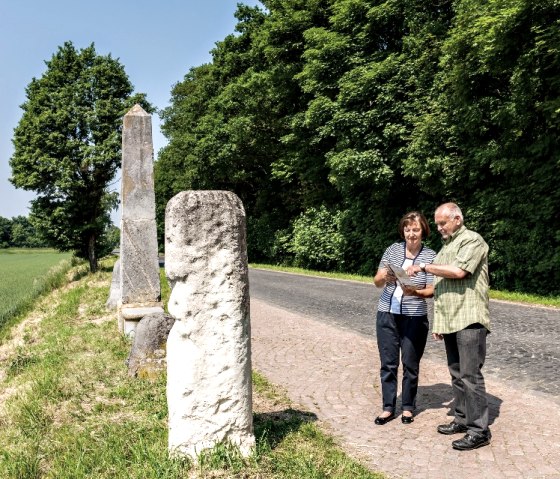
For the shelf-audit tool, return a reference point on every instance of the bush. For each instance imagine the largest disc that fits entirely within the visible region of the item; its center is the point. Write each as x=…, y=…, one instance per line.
x=317, y=242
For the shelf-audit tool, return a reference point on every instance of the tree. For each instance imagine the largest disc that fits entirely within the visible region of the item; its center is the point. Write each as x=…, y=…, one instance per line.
x=227, y=121
x=24, y=234
x=5, y=232
x=366, y=72
x=67, y=147
x=331, y=118
x=491, y=136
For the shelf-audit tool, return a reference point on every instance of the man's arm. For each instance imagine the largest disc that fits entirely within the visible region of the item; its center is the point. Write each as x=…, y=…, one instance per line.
x=442, y=270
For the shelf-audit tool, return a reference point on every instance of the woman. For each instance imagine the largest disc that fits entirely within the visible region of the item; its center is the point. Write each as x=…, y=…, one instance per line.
x=402, y=316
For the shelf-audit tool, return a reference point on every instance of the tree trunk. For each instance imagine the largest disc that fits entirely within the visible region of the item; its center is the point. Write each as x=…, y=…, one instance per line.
x=91, y=254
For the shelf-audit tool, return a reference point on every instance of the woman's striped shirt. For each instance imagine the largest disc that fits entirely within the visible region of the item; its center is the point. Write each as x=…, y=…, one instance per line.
x=410, y=305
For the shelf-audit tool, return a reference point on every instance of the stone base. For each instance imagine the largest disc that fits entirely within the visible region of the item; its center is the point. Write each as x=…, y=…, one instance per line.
x=130, y=315
x=148, y=357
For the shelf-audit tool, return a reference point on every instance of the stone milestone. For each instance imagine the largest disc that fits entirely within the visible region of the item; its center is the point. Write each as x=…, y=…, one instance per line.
x=139, y=267
x=208, y=348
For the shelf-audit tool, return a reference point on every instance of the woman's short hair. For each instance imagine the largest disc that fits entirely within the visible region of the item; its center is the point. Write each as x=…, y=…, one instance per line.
x=414, y=217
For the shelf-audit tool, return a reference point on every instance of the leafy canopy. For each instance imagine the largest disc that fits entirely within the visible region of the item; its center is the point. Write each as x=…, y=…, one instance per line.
x=67, y=147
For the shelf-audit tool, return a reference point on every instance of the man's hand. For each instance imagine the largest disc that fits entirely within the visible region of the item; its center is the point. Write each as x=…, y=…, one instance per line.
x=437, y=336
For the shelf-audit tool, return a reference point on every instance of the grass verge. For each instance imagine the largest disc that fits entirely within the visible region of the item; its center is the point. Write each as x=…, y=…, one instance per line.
x=68, y=409
x=531, y=299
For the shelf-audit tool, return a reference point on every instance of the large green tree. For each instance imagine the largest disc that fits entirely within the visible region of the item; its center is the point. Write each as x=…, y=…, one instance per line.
x=227, y=121
x=490, y=137
x=331, y=118
x=367, y=72
x=67, y=147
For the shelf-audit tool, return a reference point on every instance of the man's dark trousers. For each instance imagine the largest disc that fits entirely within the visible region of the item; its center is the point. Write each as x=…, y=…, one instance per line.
x=466, y=353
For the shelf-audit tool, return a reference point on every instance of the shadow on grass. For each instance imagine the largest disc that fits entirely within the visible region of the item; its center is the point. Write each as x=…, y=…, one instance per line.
x=105, y=268
x=273, y=427
x=78, y=273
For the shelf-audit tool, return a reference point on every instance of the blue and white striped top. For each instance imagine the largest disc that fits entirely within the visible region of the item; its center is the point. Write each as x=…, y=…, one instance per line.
x=410, y=305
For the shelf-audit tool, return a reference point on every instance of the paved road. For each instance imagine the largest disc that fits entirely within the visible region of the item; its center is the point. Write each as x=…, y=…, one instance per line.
x=524, y=347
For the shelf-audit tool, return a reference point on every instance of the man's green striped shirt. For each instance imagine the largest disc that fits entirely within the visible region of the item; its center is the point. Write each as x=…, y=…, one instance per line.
x=462, y=302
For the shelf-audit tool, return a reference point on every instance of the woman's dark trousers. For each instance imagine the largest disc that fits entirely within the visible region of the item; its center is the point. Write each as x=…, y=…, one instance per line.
x=405, y=336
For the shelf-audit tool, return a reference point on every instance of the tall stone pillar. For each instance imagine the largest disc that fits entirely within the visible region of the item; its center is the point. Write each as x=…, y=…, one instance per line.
x=208, y=348
x=139, y=266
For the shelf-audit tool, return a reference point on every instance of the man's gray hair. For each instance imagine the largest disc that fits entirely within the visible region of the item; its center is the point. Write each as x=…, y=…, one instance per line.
x=451, y=209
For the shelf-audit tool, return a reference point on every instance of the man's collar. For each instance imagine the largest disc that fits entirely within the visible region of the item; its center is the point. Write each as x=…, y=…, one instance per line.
x=455, y=234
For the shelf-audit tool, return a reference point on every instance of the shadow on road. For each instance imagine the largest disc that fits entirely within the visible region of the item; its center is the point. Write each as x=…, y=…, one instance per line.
x=440, y=396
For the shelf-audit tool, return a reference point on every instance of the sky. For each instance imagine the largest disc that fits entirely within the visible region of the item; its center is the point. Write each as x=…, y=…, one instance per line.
x=157, y=42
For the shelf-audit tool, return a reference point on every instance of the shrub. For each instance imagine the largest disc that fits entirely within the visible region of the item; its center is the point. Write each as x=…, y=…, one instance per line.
x=317, y=242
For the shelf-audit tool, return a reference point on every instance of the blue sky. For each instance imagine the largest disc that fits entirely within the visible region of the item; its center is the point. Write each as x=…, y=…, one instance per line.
x=156, y=42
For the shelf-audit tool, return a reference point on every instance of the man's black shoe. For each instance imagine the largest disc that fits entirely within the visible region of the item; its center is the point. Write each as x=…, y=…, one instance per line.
x=471, y=441
x=451, y=428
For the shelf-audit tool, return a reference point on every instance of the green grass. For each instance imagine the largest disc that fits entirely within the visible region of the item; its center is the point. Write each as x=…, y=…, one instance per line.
x=25, y=274
x=533, y=299
x=308, y=272
x=69, y=410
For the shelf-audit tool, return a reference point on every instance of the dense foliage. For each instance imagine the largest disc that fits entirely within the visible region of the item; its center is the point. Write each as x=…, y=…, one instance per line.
x=67, y=148
x=332, y=118
x=18, y=232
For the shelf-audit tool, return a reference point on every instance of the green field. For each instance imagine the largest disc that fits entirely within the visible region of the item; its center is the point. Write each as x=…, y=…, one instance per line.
x=25, y=274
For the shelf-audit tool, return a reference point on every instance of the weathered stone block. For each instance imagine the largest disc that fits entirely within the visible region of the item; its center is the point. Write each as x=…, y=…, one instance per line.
x=208, y=349
x=131, y=315
x=147, y=358
x=137, y=184
x=139, y=262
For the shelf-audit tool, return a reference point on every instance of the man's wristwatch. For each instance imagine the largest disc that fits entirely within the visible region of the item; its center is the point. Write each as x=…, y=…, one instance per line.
x=423, y=267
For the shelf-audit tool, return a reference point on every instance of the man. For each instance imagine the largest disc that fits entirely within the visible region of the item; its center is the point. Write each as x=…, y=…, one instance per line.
x=462, y=320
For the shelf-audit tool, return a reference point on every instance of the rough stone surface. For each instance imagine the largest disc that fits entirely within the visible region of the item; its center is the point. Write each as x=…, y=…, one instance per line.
x=131, y=315
x=147, y=357
x=208, y=349
x=115, y=290
x=137, y=313
x=139, y=282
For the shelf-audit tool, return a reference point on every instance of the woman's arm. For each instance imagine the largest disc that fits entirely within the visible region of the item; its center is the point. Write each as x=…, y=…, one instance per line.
x=427, y=292
x=383, y=277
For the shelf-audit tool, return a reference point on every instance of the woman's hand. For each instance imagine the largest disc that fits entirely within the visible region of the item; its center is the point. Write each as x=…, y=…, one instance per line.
x=383, y=277
x=426, y=292
x=408, y=291
x=389, y=276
